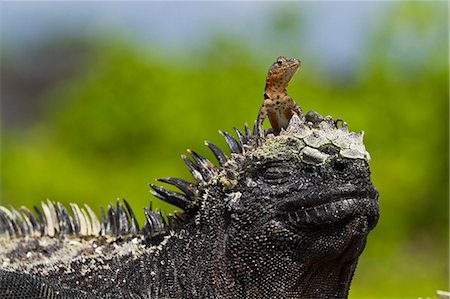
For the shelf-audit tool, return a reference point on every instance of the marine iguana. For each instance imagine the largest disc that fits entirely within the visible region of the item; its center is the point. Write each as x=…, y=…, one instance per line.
x=285, y=215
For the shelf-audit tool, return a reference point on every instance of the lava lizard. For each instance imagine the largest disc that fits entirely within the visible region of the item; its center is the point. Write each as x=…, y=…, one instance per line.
x=277, y=104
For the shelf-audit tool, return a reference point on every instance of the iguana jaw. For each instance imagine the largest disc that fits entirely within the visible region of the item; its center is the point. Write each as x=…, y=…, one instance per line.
x=337, y=207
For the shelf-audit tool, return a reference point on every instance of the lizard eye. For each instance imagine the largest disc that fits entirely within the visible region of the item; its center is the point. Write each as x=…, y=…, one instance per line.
x=280, y=60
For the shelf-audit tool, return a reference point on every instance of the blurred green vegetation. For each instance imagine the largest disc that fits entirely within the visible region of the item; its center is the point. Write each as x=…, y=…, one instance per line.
x=125, y=119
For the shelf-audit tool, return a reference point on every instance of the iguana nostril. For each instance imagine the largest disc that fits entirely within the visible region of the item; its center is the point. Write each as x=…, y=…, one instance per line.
x=339, y=166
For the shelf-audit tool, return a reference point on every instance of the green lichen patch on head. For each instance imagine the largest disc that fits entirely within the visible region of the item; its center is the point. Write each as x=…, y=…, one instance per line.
x=278, y=147
x=289, y=147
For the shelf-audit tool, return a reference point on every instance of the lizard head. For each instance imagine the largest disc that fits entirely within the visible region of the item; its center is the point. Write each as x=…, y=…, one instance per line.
x=281, y=72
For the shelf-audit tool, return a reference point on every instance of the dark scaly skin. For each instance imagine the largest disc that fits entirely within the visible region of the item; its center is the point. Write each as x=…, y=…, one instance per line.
x=278, y=106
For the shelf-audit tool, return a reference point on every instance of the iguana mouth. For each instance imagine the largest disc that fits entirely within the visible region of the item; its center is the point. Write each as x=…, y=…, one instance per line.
x=336, y=207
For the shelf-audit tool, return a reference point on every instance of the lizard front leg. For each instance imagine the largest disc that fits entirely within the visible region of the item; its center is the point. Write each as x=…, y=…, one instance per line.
x=295, y=108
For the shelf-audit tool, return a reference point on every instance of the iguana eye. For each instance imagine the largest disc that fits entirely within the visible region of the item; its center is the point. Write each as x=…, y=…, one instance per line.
x=276, y=173
x=272, y=173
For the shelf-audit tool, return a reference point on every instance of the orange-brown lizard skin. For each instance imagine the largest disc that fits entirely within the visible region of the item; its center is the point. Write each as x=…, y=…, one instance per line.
x=278, y=105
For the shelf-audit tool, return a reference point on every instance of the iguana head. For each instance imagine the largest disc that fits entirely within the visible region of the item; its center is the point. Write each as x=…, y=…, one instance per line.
x=313, y=176
x=310, y=178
